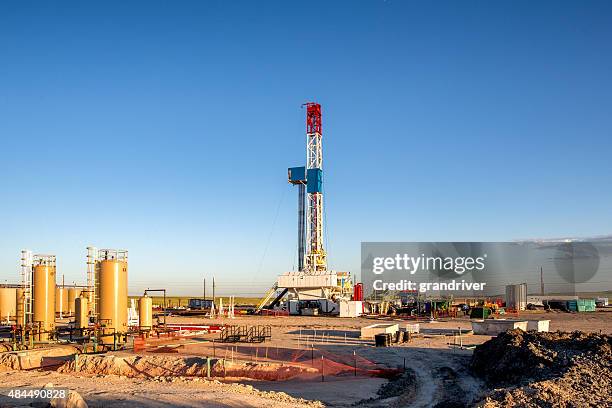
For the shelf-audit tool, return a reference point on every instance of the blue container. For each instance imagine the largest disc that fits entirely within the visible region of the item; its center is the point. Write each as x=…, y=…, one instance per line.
x=314, y=182
x=586, y=305
x=581, y=305
x=297, y=174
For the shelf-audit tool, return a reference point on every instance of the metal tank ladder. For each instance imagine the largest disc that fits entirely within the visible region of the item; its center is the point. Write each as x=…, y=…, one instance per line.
x=26, y=283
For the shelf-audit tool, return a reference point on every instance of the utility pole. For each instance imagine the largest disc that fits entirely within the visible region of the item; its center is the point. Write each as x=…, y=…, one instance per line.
x=213, y=299
x=204, y=297
x=541, y=281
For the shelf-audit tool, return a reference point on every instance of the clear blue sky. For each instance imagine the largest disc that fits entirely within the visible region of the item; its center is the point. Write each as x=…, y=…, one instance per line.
x=166, y=128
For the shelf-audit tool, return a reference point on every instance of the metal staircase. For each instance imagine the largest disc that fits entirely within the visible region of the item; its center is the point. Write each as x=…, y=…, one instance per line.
x=267, y=297
x=27, y=260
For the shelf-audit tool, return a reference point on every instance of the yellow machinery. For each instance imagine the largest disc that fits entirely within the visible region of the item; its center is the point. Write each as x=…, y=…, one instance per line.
x=111, y=294
x=43, y=299
x=491, y=305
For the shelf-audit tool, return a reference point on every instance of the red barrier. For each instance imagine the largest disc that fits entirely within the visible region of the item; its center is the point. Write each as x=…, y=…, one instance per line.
x=267, y=312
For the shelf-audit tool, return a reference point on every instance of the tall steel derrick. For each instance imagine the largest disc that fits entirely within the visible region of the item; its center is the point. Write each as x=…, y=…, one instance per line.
x=311, y=253
x=315, y=258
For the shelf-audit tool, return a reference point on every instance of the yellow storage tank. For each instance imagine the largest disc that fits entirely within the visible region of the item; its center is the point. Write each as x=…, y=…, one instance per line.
x=145, y=313
x=20, y=307
x=73, y=293
x=64, y=301
x=43, y=299
x=111, y=292
x=61, y=301
x=8, y=303
x=81, y=312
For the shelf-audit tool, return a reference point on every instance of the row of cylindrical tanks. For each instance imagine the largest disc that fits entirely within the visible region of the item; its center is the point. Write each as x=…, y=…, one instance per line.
x=109, y=305
x=64, y=301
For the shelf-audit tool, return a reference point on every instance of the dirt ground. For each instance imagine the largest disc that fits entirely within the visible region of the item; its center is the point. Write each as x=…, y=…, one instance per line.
x=118, y=391
x=435, y=366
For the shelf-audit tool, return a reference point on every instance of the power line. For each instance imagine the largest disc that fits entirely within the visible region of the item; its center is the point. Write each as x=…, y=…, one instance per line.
x=263, y=256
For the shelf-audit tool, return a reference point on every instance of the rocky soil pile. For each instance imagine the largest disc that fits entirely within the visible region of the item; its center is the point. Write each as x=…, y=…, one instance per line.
x=9, y=361
x=559, y=369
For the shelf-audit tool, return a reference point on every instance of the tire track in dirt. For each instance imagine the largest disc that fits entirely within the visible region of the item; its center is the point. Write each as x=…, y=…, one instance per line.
x=440, y=379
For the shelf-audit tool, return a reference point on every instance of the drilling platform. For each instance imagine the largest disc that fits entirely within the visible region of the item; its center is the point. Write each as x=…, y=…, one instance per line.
x=313, y=280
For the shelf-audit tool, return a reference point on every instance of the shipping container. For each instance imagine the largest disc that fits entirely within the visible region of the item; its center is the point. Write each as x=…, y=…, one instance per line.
x=581, y=305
